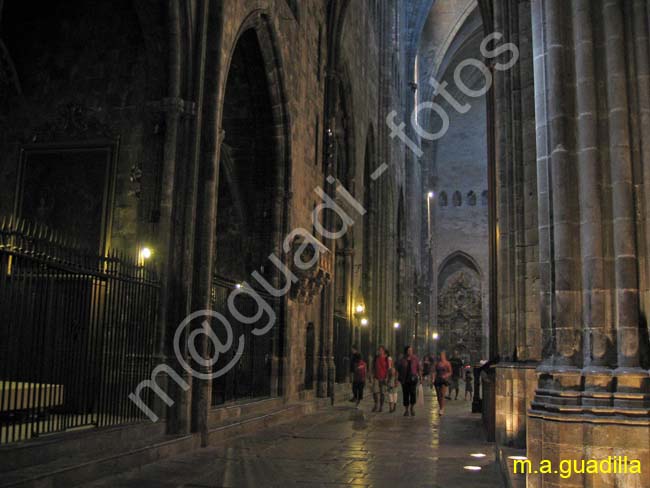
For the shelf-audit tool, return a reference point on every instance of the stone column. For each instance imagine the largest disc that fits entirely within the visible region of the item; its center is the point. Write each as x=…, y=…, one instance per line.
x=349, y=308
x=321, y=386
x=586, y=77
x=326, y=361
x=630, y=378
x=560, y=376
x=369, y=276
x=640, y=46
x=280, y=334
x=172, y=293
x=202, y=198
x=598, y=335
x=379, y=282
x=502, y=166
x=625, y=259
x=514, y=284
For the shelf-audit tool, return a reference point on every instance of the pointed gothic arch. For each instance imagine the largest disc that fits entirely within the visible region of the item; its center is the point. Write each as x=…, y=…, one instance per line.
x=254, y=161
x=460, y=305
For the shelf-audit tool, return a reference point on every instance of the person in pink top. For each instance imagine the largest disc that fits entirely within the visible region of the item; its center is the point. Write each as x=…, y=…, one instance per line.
x=443, y=373
x=380, y=375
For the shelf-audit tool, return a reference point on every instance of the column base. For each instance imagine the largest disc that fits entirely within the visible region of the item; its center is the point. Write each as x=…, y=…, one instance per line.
x=593, y=414
x=558, y=388
x=565, y=442
x=632, y=390
x=596, y=390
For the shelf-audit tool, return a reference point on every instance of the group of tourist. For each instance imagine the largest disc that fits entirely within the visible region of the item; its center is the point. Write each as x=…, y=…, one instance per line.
x=411, y=375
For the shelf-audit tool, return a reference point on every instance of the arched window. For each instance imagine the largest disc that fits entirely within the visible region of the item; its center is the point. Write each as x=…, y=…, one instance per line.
x=471, y=199
x=443, y=199
x=458, y=199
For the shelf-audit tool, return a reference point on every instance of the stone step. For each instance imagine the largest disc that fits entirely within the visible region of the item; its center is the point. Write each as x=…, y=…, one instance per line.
x=78, y=470
x=93, y=442
x=77, y=466
x=261, y=420
x=218, y=416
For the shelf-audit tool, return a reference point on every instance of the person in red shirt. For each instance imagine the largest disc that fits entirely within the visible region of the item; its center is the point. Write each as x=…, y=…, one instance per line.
x=380, y=375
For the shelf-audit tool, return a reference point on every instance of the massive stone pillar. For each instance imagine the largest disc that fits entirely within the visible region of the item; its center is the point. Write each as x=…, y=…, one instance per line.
x=173, y=294
x=620, y=167
x=595, y=352
x=592, y=397
x=348, y=252
x=558, y=200
x=514, y=277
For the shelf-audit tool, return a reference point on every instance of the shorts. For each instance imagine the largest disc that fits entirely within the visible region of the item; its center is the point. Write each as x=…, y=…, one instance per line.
x=440, y=382
x=378, y=387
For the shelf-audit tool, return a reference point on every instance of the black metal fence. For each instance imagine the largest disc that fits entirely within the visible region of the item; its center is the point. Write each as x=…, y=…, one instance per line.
x=77, y=334
x=250, y=377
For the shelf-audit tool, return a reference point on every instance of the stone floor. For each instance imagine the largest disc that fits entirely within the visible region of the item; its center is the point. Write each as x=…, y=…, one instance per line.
x=338, y=447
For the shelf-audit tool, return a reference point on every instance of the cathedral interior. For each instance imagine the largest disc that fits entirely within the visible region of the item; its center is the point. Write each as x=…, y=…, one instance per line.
x=213, y=211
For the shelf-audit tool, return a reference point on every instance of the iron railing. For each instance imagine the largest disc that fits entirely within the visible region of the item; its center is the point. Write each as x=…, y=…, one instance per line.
x=251, y=375
x=77, y=334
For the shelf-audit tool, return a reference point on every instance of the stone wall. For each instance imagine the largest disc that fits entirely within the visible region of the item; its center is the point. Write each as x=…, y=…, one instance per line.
x=86, y=71
x=515, y=386
x=456, y=163
x=565, y=438
x=213, y=184
x=586, y=73
x=515, y=334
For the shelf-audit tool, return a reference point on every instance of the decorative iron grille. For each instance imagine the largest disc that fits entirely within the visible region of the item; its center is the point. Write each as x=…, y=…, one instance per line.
x=77, y=333
x=251, y=376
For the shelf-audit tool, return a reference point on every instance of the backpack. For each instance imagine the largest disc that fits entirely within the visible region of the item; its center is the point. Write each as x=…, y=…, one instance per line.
x=360, y=372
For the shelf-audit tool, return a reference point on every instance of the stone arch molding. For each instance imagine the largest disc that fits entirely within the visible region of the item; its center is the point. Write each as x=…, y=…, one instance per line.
x=260, y=22
x=461, y=257
x=460, y=304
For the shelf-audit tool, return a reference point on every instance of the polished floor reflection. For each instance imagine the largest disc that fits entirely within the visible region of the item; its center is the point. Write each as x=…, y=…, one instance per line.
x=338, y=447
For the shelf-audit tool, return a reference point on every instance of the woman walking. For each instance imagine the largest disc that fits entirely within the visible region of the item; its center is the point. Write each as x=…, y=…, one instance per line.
x=391, y=385
x=409, y=375
x=441, y=382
